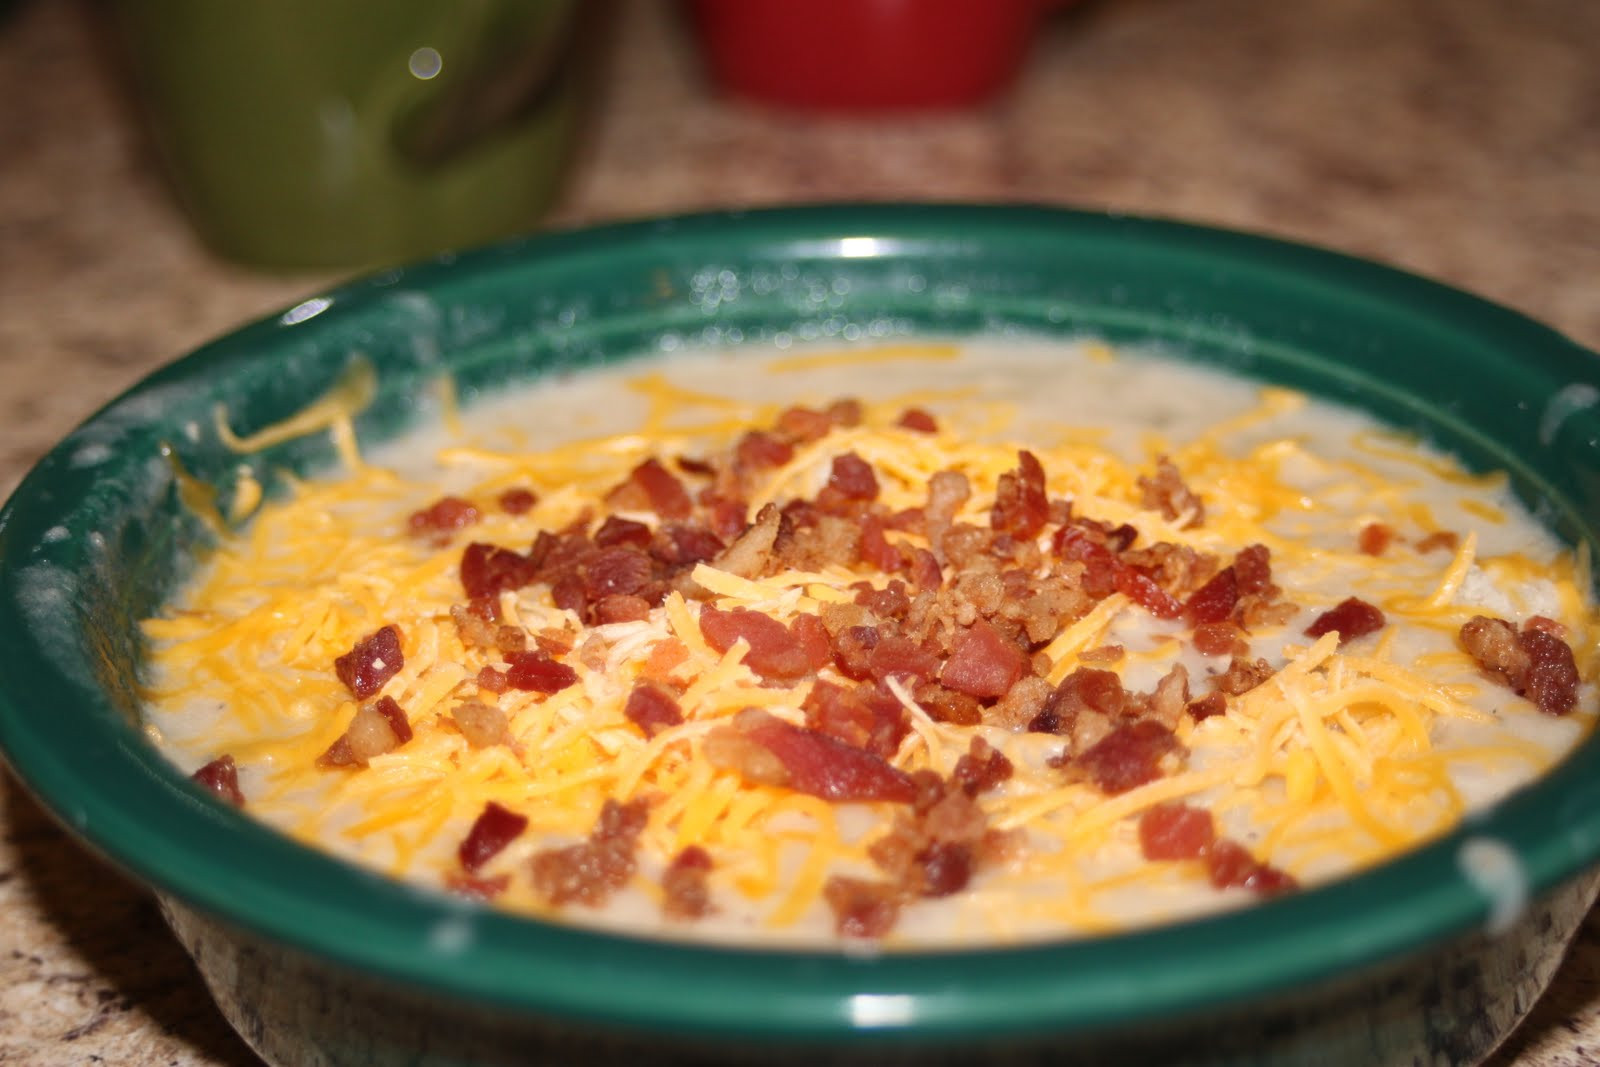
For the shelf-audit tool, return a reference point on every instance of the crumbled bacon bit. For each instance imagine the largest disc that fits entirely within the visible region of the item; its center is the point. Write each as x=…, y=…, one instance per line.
x=897, y=656
x=474, y=888
x=982, y=768
x=375, y=730
x=1166, y=492
x=766, y=749
x=777, y=652
x=852, y=477
x=1231, y=866
x=517, y=501
x=492, y=680
x=1534, y=663
x=1174, y=831
x=444, y=517
x=616, y=530
x=220, y=777
x=1242, y=676
x=1213, y=602
x=652, y=709
x=1444, y=539
x=758, y=450
x=982, y=664
x=803, y=425
x=1375, y=538
x=488, y=569
x=1352, y=617
x=1252, y=569
x=590, y=872
x=373, y=661
x=1020, y=506
x=866, y=716
x=918, y=420
x=1213, y=703
x=493, y=829
x=751, y=552
x=481, y=724
x=861, y=908
x=1217, y=639
x=685, y=894
x=652, y=487
x=537, y=672
x=1130, y=755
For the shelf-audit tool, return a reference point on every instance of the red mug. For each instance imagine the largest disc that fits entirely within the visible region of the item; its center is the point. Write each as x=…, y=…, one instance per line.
x=866, y=55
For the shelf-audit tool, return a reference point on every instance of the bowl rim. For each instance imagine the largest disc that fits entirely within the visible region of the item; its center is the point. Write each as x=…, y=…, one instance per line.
x=122, y=799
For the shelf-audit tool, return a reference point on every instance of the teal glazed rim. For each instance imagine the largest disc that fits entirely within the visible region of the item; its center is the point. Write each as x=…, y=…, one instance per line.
x=94, y=538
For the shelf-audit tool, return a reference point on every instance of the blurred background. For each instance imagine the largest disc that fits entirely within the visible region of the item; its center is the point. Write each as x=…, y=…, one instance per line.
x=172, y=168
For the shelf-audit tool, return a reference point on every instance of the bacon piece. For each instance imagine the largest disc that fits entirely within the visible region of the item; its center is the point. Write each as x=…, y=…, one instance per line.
x=1230, y=865
x=1020, y=506
x=751, y=552
x=493, y=829
x=474, y=888
x=1552, y=682
x=1130, y=755
x=1216, y=638
x=491, y=679
x=1444, y=539
x=666, y=494
x=875, y=547
x=1252, y=569
x=685, y=894
x=220, y=777
x=483, y=725
x=1375, y=538
x=805, y=760
x=1534, y=663
x=803, y=425
x=374, y=730
x=1143, y=590
x=918, y=420
x=866, y=716
x=1213, y=703
x=982, y=663
x=898, y=656
x=1213, y=602
x=590, y=872
x=445, y=516
x=981, y=769
x=619, y=570
x=758, y=450
x=862, y=909
x=1166, y=492
x=652, y=709
x=1174, y=831
x=486, y=569
x=371, y=662
x=1242, y=676
x=620, y=607
x=852, y=477
x=617, y=530
x=517, y=501
x=777, y=652
x=1352, y=617
x=537, y=672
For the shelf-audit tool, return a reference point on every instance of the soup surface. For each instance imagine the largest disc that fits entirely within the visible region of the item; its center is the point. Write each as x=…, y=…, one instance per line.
x=923, y=644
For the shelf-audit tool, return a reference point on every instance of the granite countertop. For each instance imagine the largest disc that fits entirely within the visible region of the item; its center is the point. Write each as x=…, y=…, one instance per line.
x=1457, y=139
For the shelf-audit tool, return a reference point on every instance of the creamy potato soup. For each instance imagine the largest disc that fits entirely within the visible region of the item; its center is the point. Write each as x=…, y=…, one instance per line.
x=928, y=644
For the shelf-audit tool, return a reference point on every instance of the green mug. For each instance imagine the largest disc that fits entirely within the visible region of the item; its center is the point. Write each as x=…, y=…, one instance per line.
x=353, y=133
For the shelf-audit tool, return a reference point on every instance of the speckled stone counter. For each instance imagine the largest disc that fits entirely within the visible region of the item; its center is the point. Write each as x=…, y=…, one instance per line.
x=1460, y=139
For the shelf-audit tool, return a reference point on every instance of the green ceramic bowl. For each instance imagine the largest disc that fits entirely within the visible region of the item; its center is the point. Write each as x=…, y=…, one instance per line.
x=317, y=962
